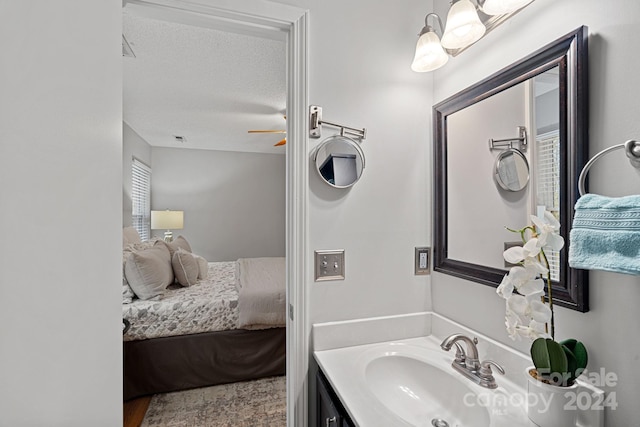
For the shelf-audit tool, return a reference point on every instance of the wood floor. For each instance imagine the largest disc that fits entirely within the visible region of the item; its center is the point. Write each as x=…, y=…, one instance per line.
x=134, y=411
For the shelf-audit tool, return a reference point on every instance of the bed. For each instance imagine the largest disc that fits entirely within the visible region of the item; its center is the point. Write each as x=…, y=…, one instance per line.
x=227, y=326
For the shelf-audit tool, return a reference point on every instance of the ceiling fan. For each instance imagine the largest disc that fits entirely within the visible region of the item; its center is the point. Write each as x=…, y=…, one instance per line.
x=277, y=144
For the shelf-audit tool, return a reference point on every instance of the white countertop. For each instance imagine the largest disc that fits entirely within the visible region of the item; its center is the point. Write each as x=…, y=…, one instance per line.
x=343, y=350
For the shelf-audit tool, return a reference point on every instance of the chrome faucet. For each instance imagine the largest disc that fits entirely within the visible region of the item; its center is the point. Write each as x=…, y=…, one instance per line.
x=468, y=363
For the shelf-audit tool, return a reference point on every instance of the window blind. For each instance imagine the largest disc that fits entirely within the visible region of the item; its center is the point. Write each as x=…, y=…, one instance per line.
x=141, y=198
x=548, y=185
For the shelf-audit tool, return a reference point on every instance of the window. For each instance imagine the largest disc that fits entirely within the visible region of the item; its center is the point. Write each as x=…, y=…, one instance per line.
x=548, y=191
x=141, y=198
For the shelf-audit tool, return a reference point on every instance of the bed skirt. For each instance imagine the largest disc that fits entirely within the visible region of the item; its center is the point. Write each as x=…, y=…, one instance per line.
x=161, y=365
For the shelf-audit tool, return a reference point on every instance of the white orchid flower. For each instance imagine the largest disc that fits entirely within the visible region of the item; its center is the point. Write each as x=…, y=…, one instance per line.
x=517, y=277
x=529, y=308
x=527, y=315
x=535, y=265
x=539, y=328
x=531, y=333
x=532, y=288
x=518, y=304
x=517, y=254
x=548, y=231
x=505, y=288
x=512, y=321
x=523, y=279
x=526, y=255
x=539, y=311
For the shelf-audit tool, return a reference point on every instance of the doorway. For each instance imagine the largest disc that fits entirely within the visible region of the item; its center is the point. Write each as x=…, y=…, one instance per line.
x=252, y=17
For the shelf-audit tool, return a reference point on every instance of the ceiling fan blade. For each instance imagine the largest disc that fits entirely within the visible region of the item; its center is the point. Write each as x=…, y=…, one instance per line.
x=267, y=131
x=281, y=142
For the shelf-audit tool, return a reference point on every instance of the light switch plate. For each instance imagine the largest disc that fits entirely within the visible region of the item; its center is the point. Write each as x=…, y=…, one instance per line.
x=422, y=261
x=329, y=265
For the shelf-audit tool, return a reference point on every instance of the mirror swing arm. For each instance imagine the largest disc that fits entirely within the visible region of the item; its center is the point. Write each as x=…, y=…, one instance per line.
x=500, y=144
x=339, y=159
x=569, y=53
x=316, y=122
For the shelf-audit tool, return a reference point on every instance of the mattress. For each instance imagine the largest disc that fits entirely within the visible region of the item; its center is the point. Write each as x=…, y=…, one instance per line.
x=209, y=305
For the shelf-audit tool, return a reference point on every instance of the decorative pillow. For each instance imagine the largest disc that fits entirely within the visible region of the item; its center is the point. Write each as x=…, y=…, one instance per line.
x=185, y=267
x=127, y=292
x=203, y=267
x=149, y=271
x=178, y=242
x=129, y=235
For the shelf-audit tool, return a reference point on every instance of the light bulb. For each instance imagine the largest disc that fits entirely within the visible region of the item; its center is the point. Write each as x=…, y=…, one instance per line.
x=463, y=26
x=429, y=53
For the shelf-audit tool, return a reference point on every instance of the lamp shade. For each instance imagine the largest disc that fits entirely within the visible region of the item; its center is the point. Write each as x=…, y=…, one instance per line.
x=501, y=7
x=167, y=220
x=463, y=26
x=429, y=53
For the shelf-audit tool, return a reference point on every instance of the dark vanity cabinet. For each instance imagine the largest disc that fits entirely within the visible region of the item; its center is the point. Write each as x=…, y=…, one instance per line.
x=330, y=412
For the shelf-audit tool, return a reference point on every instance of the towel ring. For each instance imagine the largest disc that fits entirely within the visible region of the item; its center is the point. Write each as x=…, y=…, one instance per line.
x=631, y=148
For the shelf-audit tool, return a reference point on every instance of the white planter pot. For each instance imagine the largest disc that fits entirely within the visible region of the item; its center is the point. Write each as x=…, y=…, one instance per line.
x=549, y=405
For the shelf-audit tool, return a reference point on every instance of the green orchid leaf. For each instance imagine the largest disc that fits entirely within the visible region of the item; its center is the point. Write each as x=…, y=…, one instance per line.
x=580, y=352
x=572, y=364
x=557, y=356
x=540, y=356
x=549, y=359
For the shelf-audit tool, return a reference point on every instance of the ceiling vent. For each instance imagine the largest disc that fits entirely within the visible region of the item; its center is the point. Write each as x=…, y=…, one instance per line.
x=180, y=139
x=126, y=48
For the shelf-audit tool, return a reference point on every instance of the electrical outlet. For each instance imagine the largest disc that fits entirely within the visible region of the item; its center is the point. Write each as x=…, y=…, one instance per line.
x=329, y=265
x=422, y=261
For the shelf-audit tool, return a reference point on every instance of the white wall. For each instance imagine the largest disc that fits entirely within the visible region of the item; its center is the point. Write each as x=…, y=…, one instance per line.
x=480, y=207
x=60, y=193
x=132, y=146
x=361, y=53
x=233, y=203
x=610, y=329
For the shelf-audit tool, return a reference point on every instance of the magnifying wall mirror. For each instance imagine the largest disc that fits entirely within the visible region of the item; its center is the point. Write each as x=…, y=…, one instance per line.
x=511, y=170
x=547, y=92
x=339, y=161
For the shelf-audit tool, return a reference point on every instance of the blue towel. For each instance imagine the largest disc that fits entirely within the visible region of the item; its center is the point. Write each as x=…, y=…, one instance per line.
x=606, y=234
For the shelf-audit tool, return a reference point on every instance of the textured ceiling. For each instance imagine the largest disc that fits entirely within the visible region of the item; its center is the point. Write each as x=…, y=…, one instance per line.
x=206, y=85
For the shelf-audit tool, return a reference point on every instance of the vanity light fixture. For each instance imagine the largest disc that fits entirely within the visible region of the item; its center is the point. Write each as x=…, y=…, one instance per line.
x=429, y=52
x=501, y=7
x=467, y=22
x=463, y=26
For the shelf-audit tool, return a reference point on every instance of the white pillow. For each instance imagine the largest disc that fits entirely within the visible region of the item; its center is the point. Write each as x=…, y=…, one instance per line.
x=178, y=242
x=149, y=271
x=203, y=267
x=129, y=235
x=185, y=267
x=127, y=293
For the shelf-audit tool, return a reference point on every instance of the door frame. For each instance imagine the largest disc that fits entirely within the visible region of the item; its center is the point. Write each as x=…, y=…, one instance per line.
x=282, y=22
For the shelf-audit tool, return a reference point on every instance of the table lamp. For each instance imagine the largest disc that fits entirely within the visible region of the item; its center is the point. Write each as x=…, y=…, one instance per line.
x=167, y=220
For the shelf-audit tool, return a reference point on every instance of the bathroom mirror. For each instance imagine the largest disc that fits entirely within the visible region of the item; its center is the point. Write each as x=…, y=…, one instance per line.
x=339, y=161
x=547, y=92
x=511, y=170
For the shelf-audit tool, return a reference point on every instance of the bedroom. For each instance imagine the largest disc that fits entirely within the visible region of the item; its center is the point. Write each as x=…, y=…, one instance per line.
x=190, y=94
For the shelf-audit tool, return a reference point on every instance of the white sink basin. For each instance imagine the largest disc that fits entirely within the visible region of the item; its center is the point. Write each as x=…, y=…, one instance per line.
x=411, y=383
x=419, y=393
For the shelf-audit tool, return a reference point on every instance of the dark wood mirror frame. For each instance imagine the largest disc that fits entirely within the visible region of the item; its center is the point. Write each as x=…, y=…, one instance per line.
x=570, y=54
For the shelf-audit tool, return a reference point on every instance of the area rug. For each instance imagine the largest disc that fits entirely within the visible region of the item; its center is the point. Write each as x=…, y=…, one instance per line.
x=258, y=403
